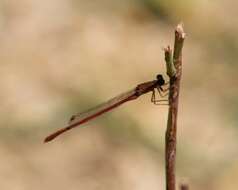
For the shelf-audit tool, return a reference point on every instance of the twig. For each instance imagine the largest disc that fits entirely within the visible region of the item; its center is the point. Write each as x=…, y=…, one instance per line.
x=174, y=71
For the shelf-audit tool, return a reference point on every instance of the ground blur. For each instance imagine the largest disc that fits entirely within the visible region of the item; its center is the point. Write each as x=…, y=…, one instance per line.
x=61, y=57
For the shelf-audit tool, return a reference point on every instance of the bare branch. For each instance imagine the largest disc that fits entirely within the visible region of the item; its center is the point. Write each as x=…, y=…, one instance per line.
x=170, y=136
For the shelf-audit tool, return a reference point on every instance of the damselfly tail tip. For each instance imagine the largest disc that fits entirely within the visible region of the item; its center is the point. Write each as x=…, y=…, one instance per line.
x=48, y=139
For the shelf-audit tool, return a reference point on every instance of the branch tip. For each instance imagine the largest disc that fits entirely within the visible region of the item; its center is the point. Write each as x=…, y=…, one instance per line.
x=180, y=31
x=171, y=71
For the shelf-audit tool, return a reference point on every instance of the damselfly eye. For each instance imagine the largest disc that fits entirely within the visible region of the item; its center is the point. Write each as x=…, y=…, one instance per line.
x=160, y=80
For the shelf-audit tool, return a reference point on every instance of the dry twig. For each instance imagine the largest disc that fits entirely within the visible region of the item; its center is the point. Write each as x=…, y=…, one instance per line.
x=174, y=71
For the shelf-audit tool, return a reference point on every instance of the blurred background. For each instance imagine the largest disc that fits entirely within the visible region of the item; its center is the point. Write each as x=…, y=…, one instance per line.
x=61, y=57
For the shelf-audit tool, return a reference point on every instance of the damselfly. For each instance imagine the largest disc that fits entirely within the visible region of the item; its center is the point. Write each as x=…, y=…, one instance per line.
x=133, y=94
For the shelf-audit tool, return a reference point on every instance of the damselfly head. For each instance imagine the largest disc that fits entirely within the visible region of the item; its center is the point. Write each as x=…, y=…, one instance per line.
x=160, y=79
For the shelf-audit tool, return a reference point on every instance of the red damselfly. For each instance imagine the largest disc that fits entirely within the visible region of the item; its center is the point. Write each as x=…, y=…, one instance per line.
x=133, y=94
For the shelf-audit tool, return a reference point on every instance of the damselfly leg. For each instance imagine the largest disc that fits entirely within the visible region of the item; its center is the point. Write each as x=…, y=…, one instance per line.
x=162, y=93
